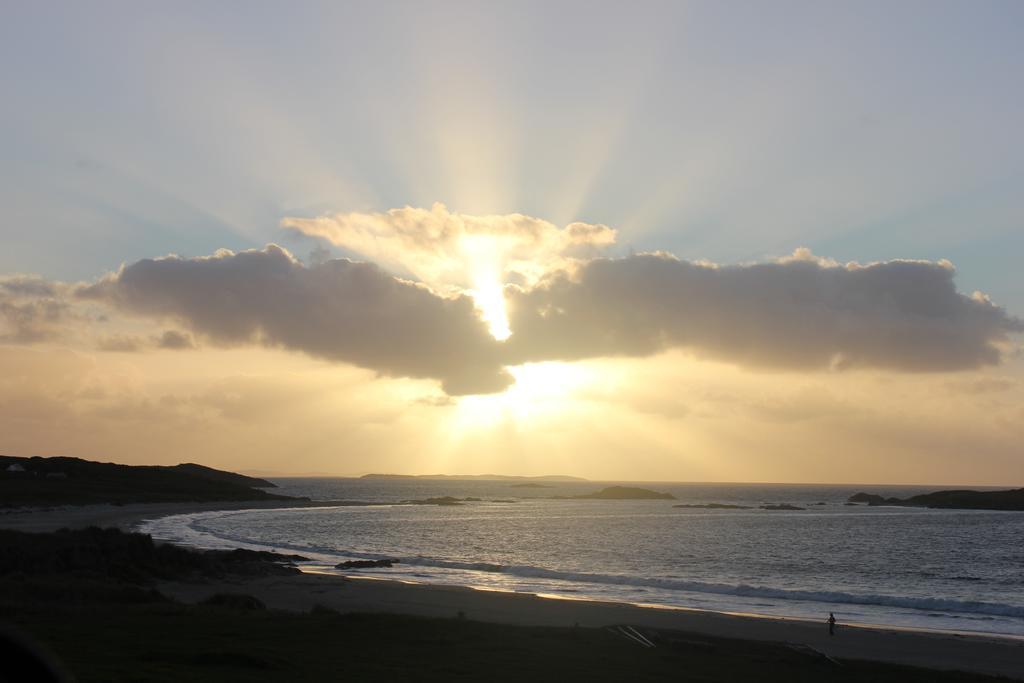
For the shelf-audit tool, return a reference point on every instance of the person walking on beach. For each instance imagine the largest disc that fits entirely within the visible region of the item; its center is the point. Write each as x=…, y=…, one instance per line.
x=831, y=624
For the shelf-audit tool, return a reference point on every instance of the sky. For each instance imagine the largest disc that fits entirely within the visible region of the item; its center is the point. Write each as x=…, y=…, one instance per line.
x=687, y=241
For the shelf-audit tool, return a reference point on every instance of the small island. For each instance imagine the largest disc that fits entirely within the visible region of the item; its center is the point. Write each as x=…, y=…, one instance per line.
x=451, y=500
x=439, y=500
x=782, y=506
x=713, y=506
x=1012, y=499
x=624, y=493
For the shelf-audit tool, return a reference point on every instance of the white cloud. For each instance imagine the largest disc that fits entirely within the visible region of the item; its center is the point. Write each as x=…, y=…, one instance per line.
x=445, y=249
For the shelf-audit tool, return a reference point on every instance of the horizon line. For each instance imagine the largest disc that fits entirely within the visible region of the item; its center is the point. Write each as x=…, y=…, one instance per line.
x=631, y=481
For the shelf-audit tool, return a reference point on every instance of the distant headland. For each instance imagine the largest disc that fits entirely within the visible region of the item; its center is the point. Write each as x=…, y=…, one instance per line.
x=951, y=500
x=475, y=477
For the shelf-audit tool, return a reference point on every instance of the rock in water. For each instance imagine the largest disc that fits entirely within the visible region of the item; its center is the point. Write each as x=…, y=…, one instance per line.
x=366, y=564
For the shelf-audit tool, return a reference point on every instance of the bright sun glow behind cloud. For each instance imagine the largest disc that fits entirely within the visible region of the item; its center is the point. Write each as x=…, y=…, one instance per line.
x=540, y=390
x=454, y=252
x=483, y=254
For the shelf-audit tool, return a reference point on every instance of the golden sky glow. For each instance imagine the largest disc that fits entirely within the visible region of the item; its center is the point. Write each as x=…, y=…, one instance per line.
x=710, y=242
x=669, y=417
x=514, y=348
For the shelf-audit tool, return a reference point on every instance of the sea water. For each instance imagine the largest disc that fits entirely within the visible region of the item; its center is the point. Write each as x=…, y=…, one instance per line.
x=959, y=570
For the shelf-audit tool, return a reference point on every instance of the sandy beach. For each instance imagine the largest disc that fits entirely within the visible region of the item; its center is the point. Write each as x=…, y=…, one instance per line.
x=990, y=655
x=974, y=653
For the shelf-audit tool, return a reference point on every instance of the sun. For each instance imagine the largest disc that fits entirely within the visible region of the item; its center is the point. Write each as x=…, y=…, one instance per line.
x=540, y=390
x=489, y=298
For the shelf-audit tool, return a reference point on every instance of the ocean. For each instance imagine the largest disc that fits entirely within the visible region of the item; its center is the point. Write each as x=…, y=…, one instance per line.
x=953, y=570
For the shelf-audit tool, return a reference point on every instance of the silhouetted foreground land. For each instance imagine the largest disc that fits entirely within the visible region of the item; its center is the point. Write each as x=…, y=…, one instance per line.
x=160, y=641
x=952, y=500
x=73, y=481
x=112, y=555
x=89, y=596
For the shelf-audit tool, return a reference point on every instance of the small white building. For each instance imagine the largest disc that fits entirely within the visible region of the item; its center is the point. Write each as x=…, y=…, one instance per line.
x=15, y=467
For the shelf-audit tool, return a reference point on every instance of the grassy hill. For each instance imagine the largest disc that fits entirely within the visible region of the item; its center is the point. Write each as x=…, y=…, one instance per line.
x=73, y=481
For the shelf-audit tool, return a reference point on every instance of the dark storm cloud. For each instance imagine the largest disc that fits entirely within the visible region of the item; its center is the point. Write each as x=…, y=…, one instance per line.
x=338, y=310
x=799, y=313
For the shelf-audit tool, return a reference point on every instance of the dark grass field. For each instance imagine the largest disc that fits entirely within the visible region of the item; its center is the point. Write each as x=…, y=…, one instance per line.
x=139, y=636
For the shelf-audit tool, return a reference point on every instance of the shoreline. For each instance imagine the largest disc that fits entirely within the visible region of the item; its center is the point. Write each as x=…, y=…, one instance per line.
x=129, y=516
x=994, y=653
x=948, y=633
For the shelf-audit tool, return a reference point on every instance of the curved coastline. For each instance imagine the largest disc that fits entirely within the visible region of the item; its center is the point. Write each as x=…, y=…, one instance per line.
x=883, y=610
x=652, y=591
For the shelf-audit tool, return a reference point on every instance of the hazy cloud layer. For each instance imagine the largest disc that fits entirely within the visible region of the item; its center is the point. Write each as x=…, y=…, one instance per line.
x=119, y=343
x=797, y=313
x=444, y=248
x=172, y=339
x=31, y=309
x=169, y=339
x=339, y=310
